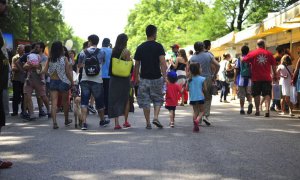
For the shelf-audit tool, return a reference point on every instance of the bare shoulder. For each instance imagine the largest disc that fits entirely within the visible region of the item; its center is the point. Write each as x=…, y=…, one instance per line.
x=126, y=51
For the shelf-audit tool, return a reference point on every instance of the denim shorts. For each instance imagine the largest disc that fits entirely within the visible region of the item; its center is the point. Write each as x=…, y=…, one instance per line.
x=197, y=102
x=58, y=85
x=89, y=88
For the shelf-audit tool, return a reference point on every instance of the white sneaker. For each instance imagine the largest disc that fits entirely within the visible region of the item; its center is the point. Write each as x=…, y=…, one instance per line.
x=282, y=113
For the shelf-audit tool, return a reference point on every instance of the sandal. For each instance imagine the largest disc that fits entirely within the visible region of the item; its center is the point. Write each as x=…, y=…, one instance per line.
x=148, y=126
x=157, y=123
x=55, y=126
x=67, y=123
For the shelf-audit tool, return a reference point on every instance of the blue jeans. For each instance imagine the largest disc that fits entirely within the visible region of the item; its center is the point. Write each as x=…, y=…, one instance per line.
x=89, y=88
x=224, y=90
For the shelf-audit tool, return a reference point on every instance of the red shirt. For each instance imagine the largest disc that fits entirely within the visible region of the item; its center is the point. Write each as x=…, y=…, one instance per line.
x=172, y=94
x=261, y=61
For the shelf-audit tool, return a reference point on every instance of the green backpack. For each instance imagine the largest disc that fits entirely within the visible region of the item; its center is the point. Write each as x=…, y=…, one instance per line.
x=245, y=69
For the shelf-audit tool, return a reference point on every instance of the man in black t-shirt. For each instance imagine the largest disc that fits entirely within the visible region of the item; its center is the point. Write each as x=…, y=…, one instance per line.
x=150, y=60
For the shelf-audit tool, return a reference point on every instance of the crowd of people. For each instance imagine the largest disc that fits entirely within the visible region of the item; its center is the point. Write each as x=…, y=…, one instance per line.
x=105, y=80
x=93, y=78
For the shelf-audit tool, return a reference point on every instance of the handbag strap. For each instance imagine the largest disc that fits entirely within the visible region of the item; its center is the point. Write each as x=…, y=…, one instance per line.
x=122, y=53
x=288, y=70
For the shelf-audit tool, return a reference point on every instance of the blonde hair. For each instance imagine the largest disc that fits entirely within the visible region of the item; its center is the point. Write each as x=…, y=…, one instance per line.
x=286, y=60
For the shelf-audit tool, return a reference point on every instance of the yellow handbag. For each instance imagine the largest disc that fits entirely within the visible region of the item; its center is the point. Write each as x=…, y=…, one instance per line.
x=121, y=68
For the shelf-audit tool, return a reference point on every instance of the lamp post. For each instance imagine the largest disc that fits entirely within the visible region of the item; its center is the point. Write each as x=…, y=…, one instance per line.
x=30, y=21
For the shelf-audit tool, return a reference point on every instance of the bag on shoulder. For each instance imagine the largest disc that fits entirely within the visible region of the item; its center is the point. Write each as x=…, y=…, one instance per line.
x=91, y=65
x=229, y=74
x=245, y=69
x=121, y=68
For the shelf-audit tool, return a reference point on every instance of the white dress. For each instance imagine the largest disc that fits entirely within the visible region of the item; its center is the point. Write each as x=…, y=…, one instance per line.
x=285, y=79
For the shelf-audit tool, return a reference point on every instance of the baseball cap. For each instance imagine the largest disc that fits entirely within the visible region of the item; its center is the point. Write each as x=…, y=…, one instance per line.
x=172, y=74
x=175, y=46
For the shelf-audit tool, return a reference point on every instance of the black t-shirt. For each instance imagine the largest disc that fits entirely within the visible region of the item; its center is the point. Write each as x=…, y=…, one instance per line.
x=148, y=54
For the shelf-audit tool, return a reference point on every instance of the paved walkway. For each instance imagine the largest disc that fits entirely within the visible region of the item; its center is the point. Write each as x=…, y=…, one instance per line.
x=235, y=147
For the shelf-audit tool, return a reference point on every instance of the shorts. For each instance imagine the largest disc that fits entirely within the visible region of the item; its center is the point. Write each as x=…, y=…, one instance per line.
x=243, y=92
x=38, y=86
x=89, y=88
x=58, y=85
x=197, y=102
x=262, y=88
x=150, y=90
x=170, y=108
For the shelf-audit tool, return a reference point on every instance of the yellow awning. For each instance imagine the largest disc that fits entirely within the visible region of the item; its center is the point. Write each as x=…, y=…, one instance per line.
x=249, y=33
x=283, y=20
x=227, y=39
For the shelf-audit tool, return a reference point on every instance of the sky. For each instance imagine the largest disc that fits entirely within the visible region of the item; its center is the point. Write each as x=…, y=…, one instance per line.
x=105, y=18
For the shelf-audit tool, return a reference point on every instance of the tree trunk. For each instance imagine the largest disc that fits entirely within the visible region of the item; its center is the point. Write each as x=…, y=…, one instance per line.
x=242, y=8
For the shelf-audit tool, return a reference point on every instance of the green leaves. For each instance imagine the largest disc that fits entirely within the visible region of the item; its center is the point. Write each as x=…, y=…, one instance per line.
x=47, y=21
x=182, y=22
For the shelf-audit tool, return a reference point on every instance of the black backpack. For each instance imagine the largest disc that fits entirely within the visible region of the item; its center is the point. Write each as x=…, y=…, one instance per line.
x=91, y=65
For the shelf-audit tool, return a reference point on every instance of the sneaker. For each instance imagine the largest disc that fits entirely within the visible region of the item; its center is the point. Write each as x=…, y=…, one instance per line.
x=42, y=113
x=117, y=127
x=148, y=126
x=205, y=120
x=281, y=113
x=196, y=126
x=104, y=123
x=172, y=124
x=5, y=164
x=68, y=122
x=24, y=115
x=92, y=109
x=55, y=126
x=84, y=126
x=250, y=107
x=14, y=114
x=242, y=112
x=29, y=118
x=126, y=125
x=267, y=114
x=157, y=123
x=292, y=115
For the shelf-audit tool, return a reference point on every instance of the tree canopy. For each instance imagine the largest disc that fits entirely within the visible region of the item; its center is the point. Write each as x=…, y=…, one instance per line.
x=187, y=21
x=47, y=22
x=177, y=21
